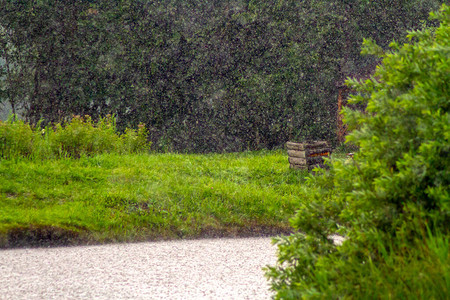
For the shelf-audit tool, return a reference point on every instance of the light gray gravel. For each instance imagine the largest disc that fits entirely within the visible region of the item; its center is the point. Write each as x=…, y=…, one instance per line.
x=192, y=269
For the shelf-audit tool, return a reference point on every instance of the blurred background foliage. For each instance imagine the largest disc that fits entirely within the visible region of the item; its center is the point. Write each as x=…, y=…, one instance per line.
x=202, y=75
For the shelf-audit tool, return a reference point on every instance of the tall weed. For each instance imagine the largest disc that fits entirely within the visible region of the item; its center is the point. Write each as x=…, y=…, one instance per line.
x=16, y=139
x=79, y=137
x=135, y=141
x=83, y=137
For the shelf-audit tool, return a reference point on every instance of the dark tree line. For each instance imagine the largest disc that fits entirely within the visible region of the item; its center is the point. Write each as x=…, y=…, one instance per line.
x=202, y=75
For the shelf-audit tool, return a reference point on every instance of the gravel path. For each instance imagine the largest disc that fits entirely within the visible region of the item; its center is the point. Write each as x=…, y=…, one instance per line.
x=192, y=269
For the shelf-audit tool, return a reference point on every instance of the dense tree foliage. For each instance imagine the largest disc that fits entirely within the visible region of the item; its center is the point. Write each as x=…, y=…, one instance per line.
x=203, y=75
x=392, y=200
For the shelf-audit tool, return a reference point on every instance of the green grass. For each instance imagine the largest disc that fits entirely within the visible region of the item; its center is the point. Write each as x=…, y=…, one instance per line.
x=136, y=197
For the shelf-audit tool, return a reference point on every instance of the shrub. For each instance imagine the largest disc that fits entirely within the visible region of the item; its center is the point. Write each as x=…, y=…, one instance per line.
x=135, y=141
x=80, y=136
x=16, y=139
x=392, y=200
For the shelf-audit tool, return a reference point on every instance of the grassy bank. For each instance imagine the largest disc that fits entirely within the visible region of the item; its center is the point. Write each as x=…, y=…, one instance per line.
x=136, y=197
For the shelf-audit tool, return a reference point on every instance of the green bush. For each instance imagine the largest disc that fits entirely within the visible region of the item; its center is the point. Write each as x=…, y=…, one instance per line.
x=81, y=136
x=135, y=141
x=392, y=201
x=16, y=139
